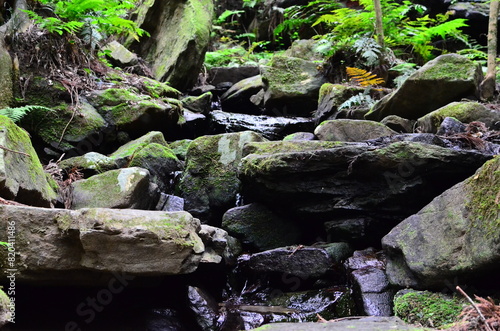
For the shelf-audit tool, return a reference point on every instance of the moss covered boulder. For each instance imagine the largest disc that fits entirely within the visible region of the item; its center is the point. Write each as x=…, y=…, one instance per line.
x=21, y=174
x=180, y=35
x=445, y=79
x=465, y=112
x=89, y=164
x=150, y=152
x=331, y=96
x=92, y=246
x=453, y=237
x=291, y=86
x=351, y=130
x=121, y=188
x=63, y=128
x=210, y=181
x=135, y=113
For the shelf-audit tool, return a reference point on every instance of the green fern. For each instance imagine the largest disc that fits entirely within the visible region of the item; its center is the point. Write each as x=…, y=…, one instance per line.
x=401, y=31
x=106, y=15
x=17, y=113
x=362, y=99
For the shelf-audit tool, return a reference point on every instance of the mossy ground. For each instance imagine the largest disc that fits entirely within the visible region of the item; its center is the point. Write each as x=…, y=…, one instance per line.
x=428, y=309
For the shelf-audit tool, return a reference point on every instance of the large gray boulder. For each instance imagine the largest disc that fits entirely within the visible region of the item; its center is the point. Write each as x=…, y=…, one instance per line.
x=210, y=182
x=340, y=181
x=453, y=237
x=58, y=246
x=445, y=79
x=120, y=188
x=22, y=177
x=180, y=35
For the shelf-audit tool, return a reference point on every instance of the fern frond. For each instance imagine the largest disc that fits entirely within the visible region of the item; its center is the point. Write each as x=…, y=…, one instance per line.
x=360, y=99
x=363, y=77
x=17, y=113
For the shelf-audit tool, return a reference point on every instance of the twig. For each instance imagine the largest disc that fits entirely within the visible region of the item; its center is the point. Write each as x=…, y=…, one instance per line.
x=13, y=151
x=475, y=307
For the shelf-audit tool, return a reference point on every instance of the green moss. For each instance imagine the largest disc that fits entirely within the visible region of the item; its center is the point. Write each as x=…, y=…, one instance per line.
x=273, y=147
x=180, y=148
x=325, y=90
x=64, y=221
x=19, y=140
x=284, y=73
x=483, y=193
x=117, y=96
x=151, y=151
x=134, y=146
x=458, y=68
x=427, y=309
x=158, y=89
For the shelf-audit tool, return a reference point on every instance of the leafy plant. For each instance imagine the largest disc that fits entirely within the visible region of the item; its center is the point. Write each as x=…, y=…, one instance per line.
x=17, y=113
x=363, y=77
x=404, y=70
x=362, y=99
x=105, y=16
x=402, y=31
x=5, y=244
x=297, y=17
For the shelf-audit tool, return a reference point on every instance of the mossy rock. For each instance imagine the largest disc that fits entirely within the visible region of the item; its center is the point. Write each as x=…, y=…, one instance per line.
x=464, y=112
x=198, y=104
x=121, y=188
x=124, y=154
x=179, y=38
x=291, y=86
x=41, y=91
x=445, y=79
x=135, y=113
x=64, y=128
x=454, y=236
x=210, y=182
x=161, y=163
x=22, y=177
x=331, y=96
x=427, y=309
x=351, y=130
x=91, y=162
x=180, y=148
x=157, y=89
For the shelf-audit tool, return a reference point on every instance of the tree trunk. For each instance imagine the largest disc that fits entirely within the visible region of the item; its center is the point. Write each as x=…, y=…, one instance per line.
x=488, y=85
x=379, y=28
